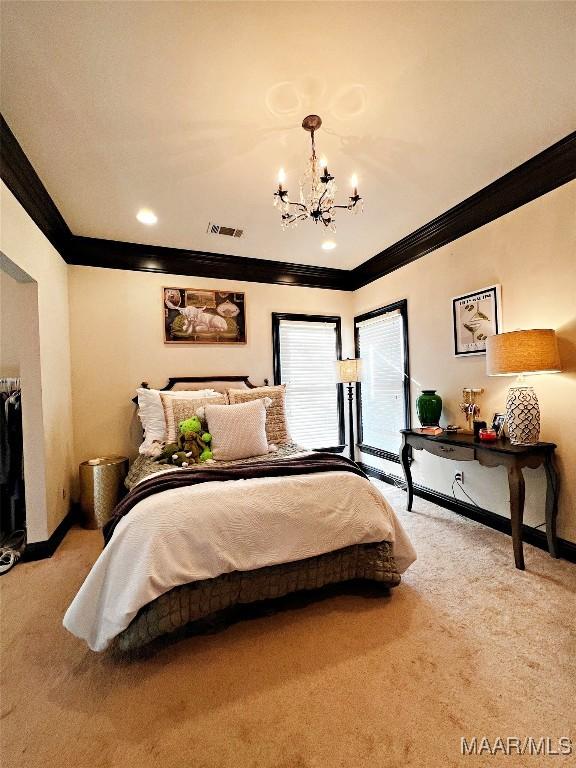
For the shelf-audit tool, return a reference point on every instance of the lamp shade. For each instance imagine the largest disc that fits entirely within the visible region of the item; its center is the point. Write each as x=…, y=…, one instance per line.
x=349, y=370
x=519, y=352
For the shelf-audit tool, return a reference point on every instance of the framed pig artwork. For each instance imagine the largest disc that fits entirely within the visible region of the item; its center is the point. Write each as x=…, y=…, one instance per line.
x=200, y=316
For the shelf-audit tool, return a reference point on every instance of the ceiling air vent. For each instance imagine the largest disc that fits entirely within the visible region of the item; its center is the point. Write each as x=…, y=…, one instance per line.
x=216, y=229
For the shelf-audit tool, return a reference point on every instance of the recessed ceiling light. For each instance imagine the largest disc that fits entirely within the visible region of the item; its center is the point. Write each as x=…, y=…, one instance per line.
x=328, y=245
x=146, y=216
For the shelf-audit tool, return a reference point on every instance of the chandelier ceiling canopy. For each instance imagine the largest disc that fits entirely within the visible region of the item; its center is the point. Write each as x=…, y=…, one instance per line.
x=317, y=190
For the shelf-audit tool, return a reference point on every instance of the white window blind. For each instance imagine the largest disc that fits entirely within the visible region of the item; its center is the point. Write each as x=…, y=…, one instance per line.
x=307, y=366
x=381, y=342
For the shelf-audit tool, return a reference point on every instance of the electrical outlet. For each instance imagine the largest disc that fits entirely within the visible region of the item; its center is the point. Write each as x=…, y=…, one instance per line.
x=459, y=477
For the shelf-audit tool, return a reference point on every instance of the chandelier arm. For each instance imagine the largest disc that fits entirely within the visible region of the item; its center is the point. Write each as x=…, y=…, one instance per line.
x=300, y=205
x=326, y=217
x=295, y=216
x=322, y=195
x=349, y=206
x=292, y=219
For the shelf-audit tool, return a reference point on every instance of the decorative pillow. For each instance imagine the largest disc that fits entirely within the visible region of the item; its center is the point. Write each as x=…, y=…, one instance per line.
x=151, y=412
x=238, y=431
x=177, y=409
x=276, y=428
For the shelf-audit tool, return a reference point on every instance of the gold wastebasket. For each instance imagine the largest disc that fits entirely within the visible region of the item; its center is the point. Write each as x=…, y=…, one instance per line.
x=101, y=487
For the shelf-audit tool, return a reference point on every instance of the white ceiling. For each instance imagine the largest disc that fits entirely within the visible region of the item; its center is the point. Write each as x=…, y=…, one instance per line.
x=190, y=109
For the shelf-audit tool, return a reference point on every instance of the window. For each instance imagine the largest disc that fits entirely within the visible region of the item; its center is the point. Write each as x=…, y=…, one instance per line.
x=305, y=350
x=383, y=396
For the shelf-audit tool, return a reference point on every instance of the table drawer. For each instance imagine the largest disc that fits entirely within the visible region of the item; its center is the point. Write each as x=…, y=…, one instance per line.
x=455, y=452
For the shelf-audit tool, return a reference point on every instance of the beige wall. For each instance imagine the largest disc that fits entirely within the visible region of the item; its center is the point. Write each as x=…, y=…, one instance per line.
x=117, y=342
x=10, y=325
x=531, y=252
x=26, y=247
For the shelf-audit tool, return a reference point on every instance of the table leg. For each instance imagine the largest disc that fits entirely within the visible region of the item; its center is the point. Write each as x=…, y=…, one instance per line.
x=516, y=485
x=405, y=461
x=552, y=488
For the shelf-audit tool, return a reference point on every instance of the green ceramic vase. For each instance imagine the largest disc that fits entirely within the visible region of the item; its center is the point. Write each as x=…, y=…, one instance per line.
x=429, y=408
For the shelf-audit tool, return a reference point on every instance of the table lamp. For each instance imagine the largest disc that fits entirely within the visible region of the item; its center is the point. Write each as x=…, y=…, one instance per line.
x=522, y=353
x=349, y=371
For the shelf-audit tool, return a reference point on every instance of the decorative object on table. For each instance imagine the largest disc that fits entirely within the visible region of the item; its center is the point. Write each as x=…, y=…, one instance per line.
x=316, y=199
x=475, y=317
x=488, y=435
x=498, y=421
x=203, y=316
x=101, y=486
x=430, y=430
x=522, y=353
x=429, y=408
x=349, y=372
x=453, y=428
x=477, y=426
x=469, y=406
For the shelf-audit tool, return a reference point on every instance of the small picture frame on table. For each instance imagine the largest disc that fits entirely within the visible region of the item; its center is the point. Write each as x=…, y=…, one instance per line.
x=498, y=422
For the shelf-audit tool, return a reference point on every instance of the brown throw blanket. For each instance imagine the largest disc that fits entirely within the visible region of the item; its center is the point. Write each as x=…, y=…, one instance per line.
x=299, y=465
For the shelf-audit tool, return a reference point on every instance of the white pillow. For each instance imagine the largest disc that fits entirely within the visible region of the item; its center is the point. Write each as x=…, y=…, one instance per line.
x=238, y=431
x=151, y=412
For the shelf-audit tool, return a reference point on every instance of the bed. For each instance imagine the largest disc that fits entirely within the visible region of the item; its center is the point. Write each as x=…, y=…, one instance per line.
x=187, y=544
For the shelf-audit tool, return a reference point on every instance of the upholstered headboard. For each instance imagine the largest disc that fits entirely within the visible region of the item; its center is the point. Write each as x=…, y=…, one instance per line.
x=219, y=383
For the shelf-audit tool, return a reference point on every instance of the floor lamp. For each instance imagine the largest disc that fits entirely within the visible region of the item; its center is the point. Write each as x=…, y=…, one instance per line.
x=350, y=372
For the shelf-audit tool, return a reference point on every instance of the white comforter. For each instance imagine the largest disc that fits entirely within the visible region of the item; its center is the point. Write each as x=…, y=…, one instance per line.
x=202, y=531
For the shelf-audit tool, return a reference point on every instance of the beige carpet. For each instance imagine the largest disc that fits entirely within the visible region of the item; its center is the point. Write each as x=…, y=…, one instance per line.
x=466, y=646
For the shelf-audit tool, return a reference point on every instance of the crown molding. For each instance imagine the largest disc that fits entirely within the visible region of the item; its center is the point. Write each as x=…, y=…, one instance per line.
x=544, y=172
x=22, y=180
x=112, y=254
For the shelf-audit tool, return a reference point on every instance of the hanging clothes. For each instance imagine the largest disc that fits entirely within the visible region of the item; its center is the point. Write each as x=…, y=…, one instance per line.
x=12, y=493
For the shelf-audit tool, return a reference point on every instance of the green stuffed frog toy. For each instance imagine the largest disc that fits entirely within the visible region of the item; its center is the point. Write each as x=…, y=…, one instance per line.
x=193, y=446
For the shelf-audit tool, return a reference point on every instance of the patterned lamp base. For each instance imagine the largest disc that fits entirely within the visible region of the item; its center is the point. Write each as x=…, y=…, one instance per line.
x=523, y=416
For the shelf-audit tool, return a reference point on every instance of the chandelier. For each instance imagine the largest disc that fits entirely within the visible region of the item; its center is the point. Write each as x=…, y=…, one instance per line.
x=317, y=190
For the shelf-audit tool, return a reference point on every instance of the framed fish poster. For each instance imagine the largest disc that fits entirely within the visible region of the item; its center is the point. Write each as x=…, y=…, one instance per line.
x=200, y=316
x=475, y=316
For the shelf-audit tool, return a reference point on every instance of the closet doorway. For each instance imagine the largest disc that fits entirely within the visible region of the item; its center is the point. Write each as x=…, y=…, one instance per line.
x=22, y=484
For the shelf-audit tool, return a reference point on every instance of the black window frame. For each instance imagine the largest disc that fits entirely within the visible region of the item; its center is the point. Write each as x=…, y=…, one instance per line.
x=277, y=317
x=402, y=307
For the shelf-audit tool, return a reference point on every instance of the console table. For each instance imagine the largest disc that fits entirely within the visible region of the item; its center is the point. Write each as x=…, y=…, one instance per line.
x=465, y=447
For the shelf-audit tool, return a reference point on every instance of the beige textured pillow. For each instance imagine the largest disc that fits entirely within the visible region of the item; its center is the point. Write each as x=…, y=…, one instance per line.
x=177, y=409
x=276, y=428
x=238, y=431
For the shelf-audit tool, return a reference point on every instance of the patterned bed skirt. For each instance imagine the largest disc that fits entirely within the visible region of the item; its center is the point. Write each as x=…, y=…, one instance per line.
x=198, y=600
